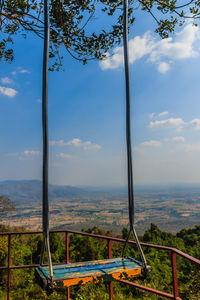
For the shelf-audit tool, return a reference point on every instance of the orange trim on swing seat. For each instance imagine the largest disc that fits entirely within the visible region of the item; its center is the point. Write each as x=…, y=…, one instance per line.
x=90, y=272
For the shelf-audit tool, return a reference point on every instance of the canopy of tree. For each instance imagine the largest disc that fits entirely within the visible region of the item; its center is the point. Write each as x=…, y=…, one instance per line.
x=69, y=21
x=6, y=205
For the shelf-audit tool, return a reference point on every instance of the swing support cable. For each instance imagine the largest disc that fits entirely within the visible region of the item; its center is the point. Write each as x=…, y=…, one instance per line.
x=45, y=200
x=131, y=200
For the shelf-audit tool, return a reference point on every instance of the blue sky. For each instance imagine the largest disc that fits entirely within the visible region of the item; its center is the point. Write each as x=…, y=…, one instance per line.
x=87, y=112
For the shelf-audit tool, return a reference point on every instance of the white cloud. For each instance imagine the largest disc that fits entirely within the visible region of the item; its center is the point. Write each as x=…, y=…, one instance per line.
x=168, y=123
x=64, y=155
x=58, y=143
x=9, y=92
x=163, y=67
x=39, y=100
x=25, y=155
x=75, y=142
x=88, y=145
x=195, y=123
x=30, y=152
x=21, y=70
x=163, y=113
x=175, y=139
x=151, y=143
x=138, y=47
x=159, y=115
x=6, y=80
x=160, y=52
x=177, y=123
x=179, y=47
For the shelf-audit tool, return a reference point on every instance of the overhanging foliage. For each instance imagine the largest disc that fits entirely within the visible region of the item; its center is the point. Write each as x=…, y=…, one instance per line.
x=69, y=20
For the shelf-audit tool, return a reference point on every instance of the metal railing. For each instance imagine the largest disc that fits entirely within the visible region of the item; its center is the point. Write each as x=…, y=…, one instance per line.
x=174, y=252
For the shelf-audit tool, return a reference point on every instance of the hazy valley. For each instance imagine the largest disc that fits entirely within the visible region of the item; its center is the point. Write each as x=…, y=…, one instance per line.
x=171, y=208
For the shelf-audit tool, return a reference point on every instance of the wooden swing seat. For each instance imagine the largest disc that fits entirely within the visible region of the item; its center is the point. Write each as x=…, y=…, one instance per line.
x=97, y=271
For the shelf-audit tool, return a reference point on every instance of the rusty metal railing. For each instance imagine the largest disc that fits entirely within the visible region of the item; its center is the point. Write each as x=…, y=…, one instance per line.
x=174, y=252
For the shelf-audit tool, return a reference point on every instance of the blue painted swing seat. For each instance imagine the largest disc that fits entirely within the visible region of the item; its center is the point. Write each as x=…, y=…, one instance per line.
x=87, y=272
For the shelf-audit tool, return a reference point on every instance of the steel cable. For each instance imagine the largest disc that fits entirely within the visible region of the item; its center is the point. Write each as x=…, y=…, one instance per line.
x=131, y=200
x=45, y=199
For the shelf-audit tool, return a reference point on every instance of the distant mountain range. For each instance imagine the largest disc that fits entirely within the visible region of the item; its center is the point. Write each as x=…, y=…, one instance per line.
x=23, y=192
x=29, y=191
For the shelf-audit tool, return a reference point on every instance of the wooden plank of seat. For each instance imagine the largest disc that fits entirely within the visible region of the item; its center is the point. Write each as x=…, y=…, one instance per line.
x=92, y=271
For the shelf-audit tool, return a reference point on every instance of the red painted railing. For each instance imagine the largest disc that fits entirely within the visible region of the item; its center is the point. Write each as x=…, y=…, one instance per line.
x=109, y=239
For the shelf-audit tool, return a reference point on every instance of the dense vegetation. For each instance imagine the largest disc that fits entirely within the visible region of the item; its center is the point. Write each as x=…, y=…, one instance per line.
x=6, y=205
x=26, y=250
x=69, y=20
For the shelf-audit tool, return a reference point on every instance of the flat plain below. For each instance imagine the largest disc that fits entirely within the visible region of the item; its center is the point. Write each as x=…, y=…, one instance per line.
x=171, y=208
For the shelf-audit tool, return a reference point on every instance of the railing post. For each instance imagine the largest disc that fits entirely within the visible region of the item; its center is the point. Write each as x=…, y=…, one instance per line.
x=110, y=283
x=67, y=258
x=9, y=264
x=174, y=275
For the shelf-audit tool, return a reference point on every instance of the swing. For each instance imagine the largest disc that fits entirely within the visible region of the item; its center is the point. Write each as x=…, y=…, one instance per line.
x=80, y=273
x=96, y=271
